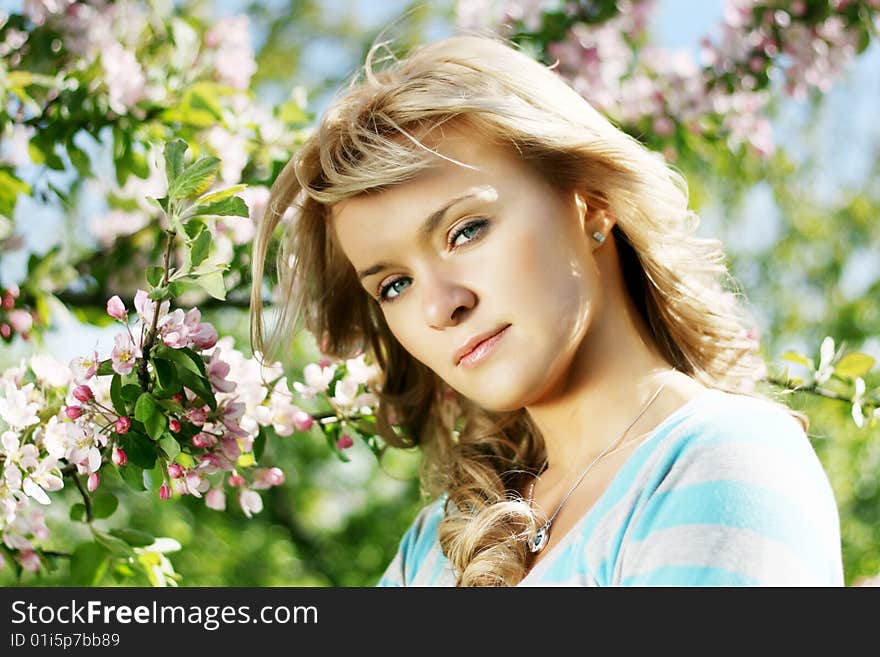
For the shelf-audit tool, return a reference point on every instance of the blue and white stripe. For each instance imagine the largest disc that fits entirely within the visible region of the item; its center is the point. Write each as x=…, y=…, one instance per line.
x=727, y=491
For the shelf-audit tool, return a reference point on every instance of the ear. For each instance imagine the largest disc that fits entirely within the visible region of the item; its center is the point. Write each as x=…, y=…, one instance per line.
x=595, y=219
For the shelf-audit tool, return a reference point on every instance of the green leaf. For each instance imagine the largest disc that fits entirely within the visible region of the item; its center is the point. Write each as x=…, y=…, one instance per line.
x=797, y=358
x=131, y=392
x=230, y=207
x=105, y=368
x=167, y=375
x=88, y=564
x=185, y=358
x=133, y=537
x=196, y=178
x=117, y=546
x=116, y=394
x=78, y=512
x=161, y=203
x=174, y=159
x=133, y=475
x=194, y=228
x=145, y=407
x=156, y=425
x=199, y=386
x=212, y=283
x=170, y=446
x=10, y=188
x=141, y=451
x=219, y=195
x=154, y=274
x=104, y=504
x=259, y=444
x=200, y=247
x=854, y=364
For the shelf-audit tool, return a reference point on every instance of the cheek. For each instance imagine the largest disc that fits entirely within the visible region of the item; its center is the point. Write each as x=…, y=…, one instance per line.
x=553, y=278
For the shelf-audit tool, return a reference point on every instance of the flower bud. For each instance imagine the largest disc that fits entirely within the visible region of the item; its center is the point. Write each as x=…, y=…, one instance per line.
x=175, y=471
x=83, y=393
x=93, y=482
x=5, y=331
x=174, y=425
x=123, y=424
x=302, y=421
x=116, y=309
x=178, y=398
x=344, y=441
x=8, y=301
x=237, y=480
x=119, y=456
x=165, y=492
x=73, y=412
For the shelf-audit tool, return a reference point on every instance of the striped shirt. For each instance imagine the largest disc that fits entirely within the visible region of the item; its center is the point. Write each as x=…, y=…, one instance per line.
x=726, y=491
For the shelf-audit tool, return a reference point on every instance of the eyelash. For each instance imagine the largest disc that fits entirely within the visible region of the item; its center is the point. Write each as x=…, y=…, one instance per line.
x=477, y=223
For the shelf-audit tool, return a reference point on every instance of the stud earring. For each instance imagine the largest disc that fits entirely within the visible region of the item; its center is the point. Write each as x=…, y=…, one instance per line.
x=599, y=237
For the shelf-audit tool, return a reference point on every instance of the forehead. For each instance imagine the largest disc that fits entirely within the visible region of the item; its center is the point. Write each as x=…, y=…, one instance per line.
x=374, y=219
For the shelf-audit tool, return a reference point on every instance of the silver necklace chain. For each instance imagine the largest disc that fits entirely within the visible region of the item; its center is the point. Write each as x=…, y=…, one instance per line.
x=539, y=539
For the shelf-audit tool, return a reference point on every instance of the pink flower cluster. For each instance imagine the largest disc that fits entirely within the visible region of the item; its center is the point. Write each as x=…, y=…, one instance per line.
x=14, y=320
x=657, y=90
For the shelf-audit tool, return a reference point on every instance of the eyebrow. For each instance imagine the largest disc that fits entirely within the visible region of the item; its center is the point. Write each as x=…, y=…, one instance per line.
x=425, y=231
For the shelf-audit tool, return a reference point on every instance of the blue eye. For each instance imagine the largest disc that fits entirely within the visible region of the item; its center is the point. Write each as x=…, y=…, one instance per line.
x=474, y=228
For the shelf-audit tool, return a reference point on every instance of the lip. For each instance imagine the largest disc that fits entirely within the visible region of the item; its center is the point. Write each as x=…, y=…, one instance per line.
x=479, y=346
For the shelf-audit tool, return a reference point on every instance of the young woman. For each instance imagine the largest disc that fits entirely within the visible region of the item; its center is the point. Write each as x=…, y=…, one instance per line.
x=551, y=334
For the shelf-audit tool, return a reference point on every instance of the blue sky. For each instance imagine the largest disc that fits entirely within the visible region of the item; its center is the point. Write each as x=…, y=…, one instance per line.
x=849, y=130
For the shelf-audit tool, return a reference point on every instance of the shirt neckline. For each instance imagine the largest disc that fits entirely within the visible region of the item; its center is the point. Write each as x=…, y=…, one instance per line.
x=553, y=554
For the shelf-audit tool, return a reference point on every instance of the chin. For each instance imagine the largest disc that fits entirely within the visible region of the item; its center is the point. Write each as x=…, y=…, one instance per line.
x=499, y=393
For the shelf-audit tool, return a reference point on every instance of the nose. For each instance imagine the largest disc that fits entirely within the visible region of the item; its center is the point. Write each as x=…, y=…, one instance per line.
x=446, y=302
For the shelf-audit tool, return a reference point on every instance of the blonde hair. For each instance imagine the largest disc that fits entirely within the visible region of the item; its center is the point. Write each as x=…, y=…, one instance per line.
x=369, y=139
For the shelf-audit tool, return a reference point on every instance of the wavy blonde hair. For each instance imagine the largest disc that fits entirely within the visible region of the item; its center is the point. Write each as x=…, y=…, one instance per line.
x=371, y=138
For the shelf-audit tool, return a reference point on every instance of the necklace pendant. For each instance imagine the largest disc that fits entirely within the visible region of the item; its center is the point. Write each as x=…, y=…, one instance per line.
x=539, y=540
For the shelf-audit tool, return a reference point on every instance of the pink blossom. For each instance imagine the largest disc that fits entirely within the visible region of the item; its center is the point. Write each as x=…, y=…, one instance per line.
x=119, y=457
x=217, y=371
x=165, y=491
x=30, y=561
x=116, y=309
x=84, y=368
x=146, y=307
x=303, y=421
x=201, y=335
x=124, y=354
x=204, y=337
x=344, y=441
x=123, y=424
x=83, y=393
x=216, y=499
x=230, y=448
x=93, y=481
x=5, y=331
x=195, y=484
x=175, y=471
x=174, y=425
x=73, y=412
x=197, y=416
x=250, y=502
x=237, y=480
x=22, y=321
x=267, y=478
x=173, y=330
x=203, y=440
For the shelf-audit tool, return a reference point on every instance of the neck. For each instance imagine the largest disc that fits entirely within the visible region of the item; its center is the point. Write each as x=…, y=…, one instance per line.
x=616, y=370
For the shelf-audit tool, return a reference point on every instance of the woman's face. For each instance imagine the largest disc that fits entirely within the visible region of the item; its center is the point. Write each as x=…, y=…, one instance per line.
x=509, y=251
